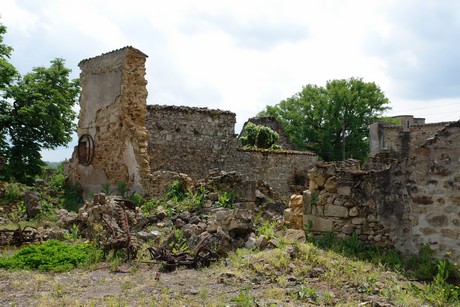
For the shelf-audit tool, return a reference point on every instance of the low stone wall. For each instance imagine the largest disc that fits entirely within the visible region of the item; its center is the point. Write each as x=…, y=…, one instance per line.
x=339, y=201
x=285, y=171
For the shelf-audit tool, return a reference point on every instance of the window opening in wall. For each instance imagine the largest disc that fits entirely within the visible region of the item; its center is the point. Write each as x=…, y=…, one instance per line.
x=407, y=124
x=85, y=150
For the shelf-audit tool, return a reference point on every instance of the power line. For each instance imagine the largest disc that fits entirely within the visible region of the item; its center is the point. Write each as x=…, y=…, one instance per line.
x=431, y=107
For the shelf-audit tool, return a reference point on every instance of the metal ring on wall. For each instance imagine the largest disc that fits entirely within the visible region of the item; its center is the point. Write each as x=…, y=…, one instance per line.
x=85, y=149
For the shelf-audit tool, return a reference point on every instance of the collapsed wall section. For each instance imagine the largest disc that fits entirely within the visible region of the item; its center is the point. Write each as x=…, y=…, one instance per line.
x=405, y=203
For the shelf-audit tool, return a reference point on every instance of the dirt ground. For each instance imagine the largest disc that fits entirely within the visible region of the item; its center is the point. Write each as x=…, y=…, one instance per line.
x=146, y=286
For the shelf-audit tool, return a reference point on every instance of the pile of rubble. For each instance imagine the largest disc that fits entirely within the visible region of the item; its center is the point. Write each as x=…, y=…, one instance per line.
x=193, y=237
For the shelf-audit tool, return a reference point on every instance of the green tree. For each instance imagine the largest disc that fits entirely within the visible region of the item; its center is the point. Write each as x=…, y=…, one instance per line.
x=331, y=121
x=35, y=113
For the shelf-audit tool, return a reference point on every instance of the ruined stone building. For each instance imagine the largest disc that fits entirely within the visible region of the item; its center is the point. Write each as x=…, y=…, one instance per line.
x=123, y=139
x=408, y=195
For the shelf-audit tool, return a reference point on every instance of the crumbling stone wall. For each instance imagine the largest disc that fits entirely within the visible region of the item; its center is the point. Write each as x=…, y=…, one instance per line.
x=399, y=140
x=433, y=183
x=347, y=200
x=121, y=139
x=402, y=202
x=112, y=114
x=196, y=140
x=285, y=171
x=190, y=140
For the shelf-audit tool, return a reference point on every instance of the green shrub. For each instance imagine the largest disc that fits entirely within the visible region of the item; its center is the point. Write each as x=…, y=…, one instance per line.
x=137, y=199
x=13, y=193
x=267, y=229
x=259, y=136
x=105, y=187
x=225, y=200
x=57, y=180
x=55, y=256
x=266, y=137
x=176, y=191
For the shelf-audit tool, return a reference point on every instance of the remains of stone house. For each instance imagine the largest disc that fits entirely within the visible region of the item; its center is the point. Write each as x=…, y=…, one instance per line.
x=123, y=139
x=407, y=195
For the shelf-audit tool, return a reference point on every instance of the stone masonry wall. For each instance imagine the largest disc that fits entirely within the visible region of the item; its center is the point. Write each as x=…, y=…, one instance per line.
x=112, y=113
x=433, y=184
x=399, y=140
x=189, y=140
x=406, y=203
x=195, y=141
x=124, y=140
x=342, y=202
x=285, y=171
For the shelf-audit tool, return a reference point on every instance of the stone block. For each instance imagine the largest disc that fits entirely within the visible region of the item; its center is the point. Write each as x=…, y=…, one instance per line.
x=353, y=212
x=296, y=201
x=331, y=185
x=449, y=233
x=320, y=179
x=313, y=186
x=438, y=220
x=455, y=200
x=317, y=210
x=319, y=223
x=338, y=202
x=288, y=214
x=422, y=200
x=306, y=201
x=335, y=211
x=348, y=229
x=295, y=235
x=298, y=219
x=344, y=190
x=358, y=220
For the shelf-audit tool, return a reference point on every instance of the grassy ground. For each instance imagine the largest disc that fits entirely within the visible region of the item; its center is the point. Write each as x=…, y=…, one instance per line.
x=297, y=274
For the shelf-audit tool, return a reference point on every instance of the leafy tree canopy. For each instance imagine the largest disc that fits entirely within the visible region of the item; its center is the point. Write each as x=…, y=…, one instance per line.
x=331, y=121
x=35, y=113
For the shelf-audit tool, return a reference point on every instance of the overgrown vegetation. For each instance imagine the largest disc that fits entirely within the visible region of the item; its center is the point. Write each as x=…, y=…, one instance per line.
x=53, y=255
x=442, y=277
x=324, y=270
x=258, y=136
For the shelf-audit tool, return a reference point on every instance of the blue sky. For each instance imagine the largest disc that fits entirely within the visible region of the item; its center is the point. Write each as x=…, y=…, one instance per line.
x=243, y=55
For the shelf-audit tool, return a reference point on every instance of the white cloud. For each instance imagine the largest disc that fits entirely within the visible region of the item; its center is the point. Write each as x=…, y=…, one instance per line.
x=242, y=55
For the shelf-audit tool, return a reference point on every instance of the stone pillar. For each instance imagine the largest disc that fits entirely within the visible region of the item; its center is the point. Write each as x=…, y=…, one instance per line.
x=293, y=216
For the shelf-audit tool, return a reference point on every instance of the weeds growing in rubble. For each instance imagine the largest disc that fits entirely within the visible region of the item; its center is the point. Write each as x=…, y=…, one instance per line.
x=179, y=244
x=267, y=229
